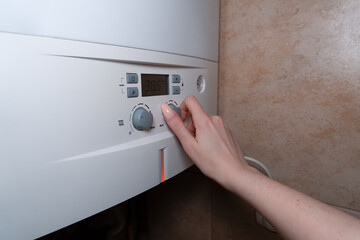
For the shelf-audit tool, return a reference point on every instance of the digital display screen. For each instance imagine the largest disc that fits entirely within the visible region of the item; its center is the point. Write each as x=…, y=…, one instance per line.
x=154, y=84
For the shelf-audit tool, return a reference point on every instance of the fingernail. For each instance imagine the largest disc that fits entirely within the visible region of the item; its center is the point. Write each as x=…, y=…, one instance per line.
x=167, y=111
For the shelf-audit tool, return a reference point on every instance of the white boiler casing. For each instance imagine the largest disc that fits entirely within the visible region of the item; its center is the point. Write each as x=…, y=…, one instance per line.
x=68, y=144
x=185, y=27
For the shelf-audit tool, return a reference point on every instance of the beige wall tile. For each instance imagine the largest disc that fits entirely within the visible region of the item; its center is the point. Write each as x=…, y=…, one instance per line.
x=289, y=82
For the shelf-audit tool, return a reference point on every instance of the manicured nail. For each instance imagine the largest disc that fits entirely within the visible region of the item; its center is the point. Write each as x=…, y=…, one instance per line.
x=167, y=111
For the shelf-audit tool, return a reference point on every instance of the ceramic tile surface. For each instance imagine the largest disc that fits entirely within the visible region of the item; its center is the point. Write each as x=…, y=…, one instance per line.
x=289, y=82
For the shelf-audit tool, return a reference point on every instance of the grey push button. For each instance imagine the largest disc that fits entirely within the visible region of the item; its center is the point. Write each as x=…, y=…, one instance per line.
x=176, y=78
x=131, y=78
x=176, y=90
x=132, y=92
x=175, y=108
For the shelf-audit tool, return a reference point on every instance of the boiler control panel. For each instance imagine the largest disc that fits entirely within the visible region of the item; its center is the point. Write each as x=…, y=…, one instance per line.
x=146, y=86
x=142, y=87
x=145, y=91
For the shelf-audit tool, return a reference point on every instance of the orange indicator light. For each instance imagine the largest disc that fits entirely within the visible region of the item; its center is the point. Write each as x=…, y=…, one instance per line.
x=162, y=164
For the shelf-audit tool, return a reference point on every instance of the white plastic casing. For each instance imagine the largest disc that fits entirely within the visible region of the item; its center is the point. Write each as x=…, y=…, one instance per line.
x=185, y=27
x=68, y=149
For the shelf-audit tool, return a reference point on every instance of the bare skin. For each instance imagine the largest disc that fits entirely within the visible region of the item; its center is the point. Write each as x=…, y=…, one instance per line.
x=210, y=144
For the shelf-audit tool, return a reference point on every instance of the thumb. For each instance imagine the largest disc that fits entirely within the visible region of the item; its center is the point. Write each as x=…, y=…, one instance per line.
x=177, y=125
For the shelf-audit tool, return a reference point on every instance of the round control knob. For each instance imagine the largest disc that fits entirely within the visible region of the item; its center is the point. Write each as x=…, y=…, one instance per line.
x=142, y=119
x=175, y=108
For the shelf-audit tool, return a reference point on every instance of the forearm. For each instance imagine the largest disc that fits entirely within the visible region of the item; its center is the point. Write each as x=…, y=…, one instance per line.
x=293, y=214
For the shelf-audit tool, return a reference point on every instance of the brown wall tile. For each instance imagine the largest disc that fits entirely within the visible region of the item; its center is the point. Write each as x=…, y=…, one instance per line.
x=289, y=82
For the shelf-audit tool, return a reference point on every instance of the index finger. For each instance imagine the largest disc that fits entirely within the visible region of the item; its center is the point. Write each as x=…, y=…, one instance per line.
x=192, y=105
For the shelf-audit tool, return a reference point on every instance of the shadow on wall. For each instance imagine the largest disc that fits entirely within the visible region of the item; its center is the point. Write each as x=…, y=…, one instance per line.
x=188, y=206
x=191, y=206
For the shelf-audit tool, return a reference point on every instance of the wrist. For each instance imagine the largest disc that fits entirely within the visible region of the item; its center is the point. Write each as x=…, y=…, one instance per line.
x=237, y=178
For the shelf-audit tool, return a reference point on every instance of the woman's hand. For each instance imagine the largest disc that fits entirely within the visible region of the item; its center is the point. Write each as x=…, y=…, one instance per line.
x=207, y=140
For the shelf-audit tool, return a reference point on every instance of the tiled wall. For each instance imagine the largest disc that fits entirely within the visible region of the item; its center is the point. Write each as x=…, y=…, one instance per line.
x=290, y=91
